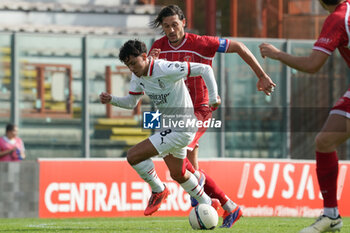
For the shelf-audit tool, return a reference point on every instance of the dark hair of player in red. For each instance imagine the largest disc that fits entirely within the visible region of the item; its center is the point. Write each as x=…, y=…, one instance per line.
x=131, y=48
x=165, y=12
x=331, y=2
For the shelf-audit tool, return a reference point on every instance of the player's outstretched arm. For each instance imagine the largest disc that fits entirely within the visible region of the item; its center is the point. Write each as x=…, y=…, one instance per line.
x=128, y=102
x=308, y=64
x=207, y=73
x=105, y=98
x=265, y=83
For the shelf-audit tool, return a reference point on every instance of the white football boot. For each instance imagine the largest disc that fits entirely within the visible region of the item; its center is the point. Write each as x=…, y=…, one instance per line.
x=324, y=224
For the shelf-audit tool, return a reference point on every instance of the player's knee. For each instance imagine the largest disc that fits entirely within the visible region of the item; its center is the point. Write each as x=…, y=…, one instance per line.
x=131, y=157
x=324, y=143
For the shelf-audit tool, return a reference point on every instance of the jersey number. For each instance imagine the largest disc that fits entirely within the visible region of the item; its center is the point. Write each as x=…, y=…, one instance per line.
x=165, y=132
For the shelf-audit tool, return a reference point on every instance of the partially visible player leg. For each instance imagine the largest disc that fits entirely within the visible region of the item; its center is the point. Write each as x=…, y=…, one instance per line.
x=139, y=158
x=232, y=210
x=335, y=132
x=192, y=153
x=199, y=175
x=187, y=180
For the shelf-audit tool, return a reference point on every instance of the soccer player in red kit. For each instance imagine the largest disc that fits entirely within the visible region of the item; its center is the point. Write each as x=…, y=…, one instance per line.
x=335, y=33
x=177, y=45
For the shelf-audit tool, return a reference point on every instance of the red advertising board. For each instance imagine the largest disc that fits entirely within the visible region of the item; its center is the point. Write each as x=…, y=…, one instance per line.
x=111, y=188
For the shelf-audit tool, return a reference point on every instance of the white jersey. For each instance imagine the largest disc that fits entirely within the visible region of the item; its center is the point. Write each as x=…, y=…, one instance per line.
x=165, y=85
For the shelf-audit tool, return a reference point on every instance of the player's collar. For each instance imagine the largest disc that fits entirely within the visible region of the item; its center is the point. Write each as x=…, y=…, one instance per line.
x=180, y=45
x=150, y=67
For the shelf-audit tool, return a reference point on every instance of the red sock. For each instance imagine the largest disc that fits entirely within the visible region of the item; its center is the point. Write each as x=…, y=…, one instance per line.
x=327, y=175
x=189, y=166
x=213, y=190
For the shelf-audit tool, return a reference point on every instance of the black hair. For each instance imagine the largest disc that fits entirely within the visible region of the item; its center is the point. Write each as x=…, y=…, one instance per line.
x=331, y=2
x=132, y=48
x=165, y=12
x=10, y=127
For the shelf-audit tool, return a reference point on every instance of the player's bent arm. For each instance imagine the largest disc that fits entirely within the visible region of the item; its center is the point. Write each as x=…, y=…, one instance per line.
x=247, y=56
x=129, y=101
x=207, y=73
x=309, y=64
x=5, y=152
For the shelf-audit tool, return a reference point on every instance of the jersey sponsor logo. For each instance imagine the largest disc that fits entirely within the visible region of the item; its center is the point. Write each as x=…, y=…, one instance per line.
x=152, y=120
x=158, y=99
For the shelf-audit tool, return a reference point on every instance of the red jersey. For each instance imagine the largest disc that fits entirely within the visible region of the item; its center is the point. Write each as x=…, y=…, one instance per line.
x=336, y=32
x=194, y=48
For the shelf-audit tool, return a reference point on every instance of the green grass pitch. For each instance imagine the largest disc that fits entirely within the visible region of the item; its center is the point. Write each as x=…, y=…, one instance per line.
x=154, y=224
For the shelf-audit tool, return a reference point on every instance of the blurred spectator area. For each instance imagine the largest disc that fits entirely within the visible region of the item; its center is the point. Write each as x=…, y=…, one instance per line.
x=109, y=17
x=291, y=19
x=266, y=18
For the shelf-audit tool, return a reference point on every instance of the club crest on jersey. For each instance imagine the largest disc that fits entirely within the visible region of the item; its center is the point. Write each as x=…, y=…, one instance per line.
x=187, y=58
x=161, y=84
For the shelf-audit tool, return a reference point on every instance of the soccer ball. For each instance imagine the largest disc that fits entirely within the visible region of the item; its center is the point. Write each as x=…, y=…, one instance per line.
x=203, y=217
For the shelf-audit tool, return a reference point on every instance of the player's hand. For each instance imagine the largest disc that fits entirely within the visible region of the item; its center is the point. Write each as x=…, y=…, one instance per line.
x=105, y=98
x=12, y=149
x=268, y=50
x=215, y=105
x=266, y=85
x=154, y=53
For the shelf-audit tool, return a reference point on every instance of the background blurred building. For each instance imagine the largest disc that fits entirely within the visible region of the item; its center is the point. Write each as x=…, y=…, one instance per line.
x=57, y=56
x=111, y=17
x=254, y=18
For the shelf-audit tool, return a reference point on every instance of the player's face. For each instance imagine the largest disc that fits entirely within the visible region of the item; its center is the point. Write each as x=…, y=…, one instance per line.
x=174, y=29
x=138, y=65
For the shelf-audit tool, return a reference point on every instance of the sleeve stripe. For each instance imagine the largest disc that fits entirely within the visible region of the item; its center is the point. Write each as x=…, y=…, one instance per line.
x=322, y=50
x=135, y=93
x=189, y=69
x=150, y=70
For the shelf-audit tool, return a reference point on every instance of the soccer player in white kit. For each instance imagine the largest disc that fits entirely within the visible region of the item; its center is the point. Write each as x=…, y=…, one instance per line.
x=163, y=82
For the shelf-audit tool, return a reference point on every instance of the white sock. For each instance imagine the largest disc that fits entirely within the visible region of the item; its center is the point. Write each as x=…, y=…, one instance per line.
x=146, y=171
x=229, y=206
x=331, y=212
x=197, y=174
x=191, y=187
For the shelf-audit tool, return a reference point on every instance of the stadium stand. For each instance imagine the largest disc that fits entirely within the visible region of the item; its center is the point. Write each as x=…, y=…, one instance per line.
x=58, y=17
x=49, y=119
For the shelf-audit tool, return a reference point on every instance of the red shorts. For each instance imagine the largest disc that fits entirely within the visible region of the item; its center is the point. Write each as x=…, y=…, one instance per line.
x=342, y=106
x=202, y=113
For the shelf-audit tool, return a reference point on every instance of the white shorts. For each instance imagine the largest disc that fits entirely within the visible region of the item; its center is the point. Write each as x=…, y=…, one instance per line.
x=171, y=142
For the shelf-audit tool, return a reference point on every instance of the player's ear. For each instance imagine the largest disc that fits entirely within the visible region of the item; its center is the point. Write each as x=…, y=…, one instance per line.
x=184, y=22
x=144, y=56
